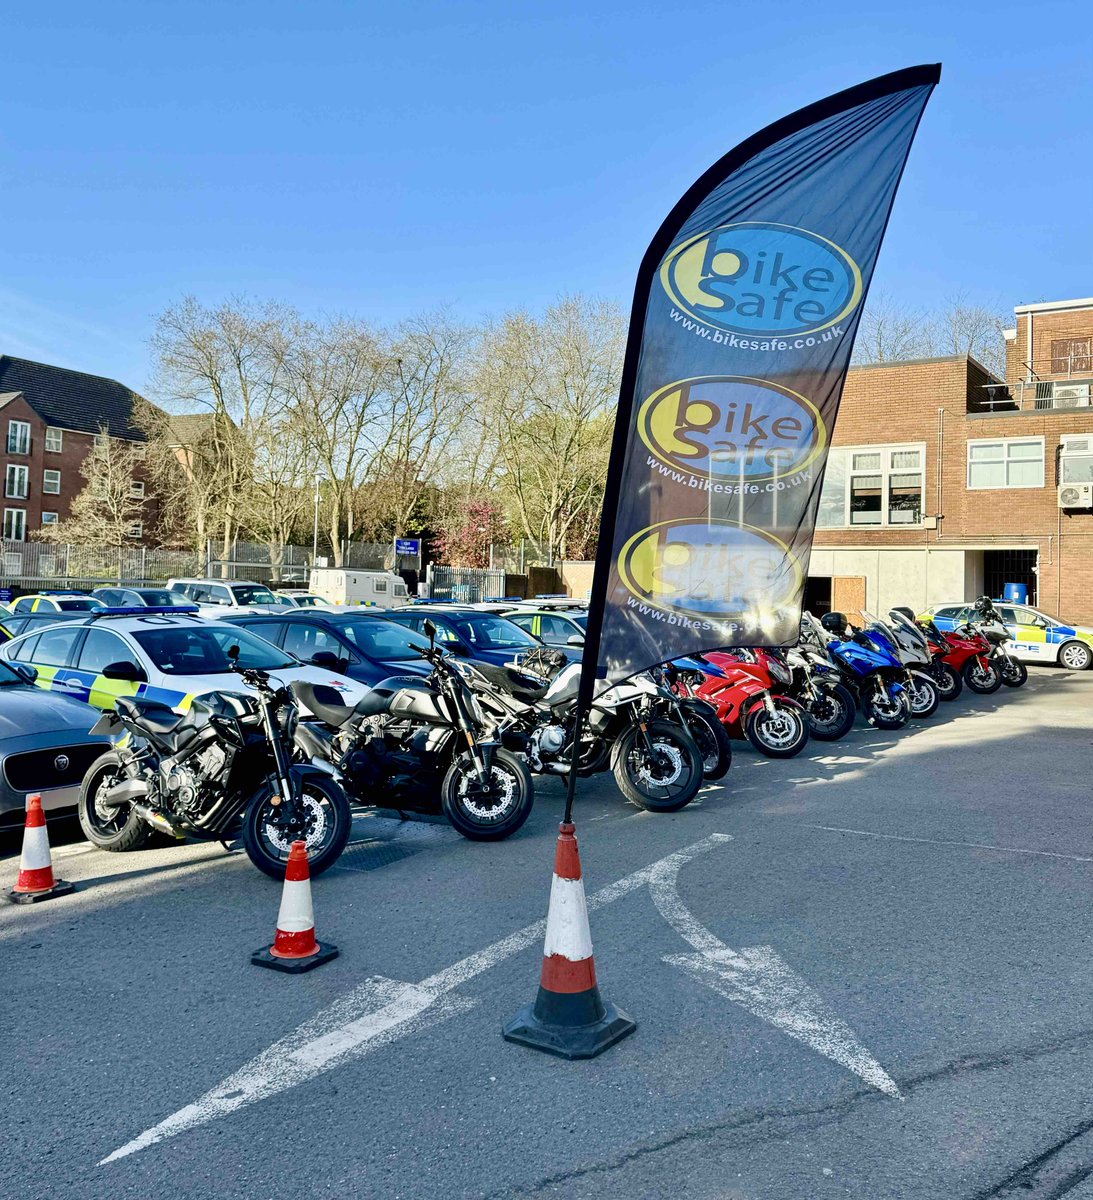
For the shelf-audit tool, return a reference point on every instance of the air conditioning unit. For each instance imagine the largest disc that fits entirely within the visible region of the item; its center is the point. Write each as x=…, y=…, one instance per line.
x=1076, y=495
x=1071, y=395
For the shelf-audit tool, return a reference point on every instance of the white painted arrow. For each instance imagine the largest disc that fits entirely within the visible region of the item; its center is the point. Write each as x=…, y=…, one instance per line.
x=761, y=982
x=375, y=1014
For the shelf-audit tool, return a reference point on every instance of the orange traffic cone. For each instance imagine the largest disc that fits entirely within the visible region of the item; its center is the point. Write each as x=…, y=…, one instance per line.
x=36, y=880
x=568, y=1017
x=295, y=948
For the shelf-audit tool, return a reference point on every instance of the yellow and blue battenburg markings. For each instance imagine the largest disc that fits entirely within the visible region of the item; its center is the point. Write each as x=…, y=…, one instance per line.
x=100, y=692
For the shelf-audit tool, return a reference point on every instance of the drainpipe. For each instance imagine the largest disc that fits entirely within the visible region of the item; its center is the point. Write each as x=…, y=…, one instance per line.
x=1028, y=344
x=940, y=468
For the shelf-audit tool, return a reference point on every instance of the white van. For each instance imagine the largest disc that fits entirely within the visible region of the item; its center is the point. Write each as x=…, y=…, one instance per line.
x=375, y=589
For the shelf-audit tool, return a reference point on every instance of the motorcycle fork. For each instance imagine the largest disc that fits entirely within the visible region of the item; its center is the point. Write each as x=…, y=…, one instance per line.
x=273, y=737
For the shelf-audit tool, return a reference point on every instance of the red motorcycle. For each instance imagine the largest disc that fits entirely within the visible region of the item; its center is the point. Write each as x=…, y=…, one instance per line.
x=741, y=686
x=967, y=653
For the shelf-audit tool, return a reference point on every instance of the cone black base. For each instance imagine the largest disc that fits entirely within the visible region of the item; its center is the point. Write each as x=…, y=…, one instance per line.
x=568, y=1041
x=294, y=966
x=61, y=887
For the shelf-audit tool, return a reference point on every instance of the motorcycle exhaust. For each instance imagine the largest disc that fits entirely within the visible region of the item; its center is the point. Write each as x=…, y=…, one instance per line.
x=156, y=820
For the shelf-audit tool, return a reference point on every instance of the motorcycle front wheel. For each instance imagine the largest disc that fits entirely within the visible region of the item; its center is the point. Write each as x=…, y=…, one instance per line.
x=713, y=742
x=831, y=715
x=320, y=818
x=781, y=734
x=116, y=829
x=493, y=812
x=1014, y=673
x=923, y=696
x=982, y=680
x=661, y=776
x=888, y=711
x=947, y=680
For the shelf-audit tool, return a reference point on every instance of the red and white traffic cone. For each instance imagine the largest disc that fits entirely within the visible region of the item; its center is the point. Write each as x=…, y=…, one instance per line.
x=568, y=1017
x=295, y=948
x=36, y=880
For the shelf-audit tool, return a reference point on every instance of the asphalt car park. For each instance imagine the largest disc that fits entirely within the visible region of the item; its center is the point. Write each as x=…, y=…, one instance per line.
x=919, y=899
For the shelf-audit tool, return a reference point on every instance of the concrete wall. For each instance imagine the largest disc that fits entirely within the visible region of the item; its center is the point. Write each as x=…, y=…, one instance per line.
x=913, y=577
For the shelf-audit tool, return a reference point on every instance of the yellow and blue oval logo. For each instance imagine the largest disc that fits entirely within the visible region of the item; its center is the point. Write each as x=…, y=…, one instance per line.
x=763, y=279
x=731, y=428
x=711, y=569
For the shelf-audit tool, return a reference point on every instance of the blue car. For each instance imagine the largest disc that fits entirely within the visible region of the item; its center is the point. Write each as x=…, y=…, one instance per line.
x=474, y=634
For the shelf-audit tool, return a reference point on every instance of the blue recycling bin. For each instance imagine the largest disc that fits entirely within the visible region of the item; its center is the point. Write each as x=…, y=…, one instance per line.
x=1015, y=593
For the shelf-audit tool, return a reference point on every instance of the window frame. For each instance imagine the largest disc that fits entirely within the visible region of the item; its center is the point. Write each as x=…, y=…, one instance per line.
x=46, y=489
x=886, y=471
x=12, y=424
x=16, y=468
x=50, y=517
x=1005, y=460
x=60, y=438
x=22, y=512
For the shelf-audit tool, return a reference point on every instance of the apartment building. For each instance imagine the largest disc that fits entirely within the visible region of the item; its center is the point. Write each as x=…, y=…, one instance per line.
x=944, y=482
x=49, y=419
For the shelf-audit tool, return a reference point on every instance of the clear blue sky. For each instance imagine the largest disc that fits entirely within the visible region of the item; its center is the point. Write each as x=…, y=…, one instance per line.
x=379, y=158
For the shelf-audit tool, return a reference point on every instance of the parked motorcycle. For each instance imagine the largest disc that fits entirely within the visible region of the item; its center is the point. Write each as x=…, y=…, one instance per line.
x=699, y=718
x=989, y=624
x=655, y=761
x=749, y=693
x=945, y=675
x=816, y=684
x=227, y=758
x=422, y=743
x=910, y=647
x=872, y=672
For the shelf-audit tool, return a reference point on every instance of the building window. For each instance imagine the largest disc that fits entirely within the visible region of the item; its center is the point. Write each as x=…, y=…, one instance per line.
x=136, y=488
x=135, y=530
x=18, y=437
x=872, y=486
x=15, y=524
x=55, y=440
x=1072, y=356
x=15, y=483
x=51, y=483
x=1076, y=459
x=1006, y=463
x=49, y=518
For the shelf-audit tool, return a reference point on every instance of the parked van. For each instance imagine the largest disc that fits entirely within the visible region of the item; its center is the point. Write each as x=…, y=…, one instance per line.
x=376, y=589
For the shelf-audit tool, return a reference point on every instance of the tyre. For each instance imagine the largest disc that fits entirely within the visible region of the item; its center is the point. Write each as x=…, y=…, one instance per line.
x=1014, y=672
x=1075, y=656
x=888, y=711
x=320, y=818
x=492, y=813
x=831, y=715
x=947, y=680
x=109, y=828
x=781, y=734
x=923, y=696
x=663, y=780
x=983, y=680
x=713, y=742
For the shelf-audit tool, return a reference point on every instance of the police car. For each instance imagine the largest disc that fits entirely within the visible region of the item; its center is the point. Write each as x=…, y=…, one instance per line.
x=1036, y=636
x=158, y=653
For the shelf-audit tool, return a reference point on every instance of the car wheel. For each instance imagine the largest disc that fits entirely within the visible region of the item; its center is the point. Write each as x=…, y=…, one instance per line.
x=1075, y=656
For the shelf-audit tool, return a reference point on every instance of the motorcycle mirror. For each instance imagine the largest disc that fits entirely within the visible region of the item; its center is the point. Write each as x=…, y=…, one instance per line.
x=233, y=652
x=430, y=630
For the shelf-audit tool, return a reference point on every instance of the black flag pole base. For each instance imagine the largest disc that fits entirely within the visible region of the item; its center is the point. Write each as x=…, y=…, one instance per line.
x=568, y=1041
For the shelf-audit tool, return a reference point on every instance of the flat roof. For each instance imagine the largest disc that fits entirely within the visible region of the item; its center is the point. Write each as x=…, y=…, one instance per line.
x=1054, y=305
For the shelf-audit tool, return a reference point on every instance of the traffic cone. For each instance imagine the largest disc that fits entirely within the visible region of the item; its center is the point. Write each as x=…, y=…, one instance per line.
x=568, y=1017
x=295, y=948
x=36, y=880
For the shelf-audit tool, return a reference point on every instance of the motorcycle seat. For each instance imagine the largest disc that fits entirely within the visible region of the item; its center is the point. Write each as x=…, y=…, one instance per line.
x=154, y=714
x=515, y=684
x=324, y=701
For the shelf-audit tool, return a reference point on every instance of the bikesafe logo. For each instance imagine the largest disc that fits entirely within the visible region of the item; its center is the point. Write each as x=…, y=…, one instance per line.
x=758, y=280
x=708, y=569
x=730, y=428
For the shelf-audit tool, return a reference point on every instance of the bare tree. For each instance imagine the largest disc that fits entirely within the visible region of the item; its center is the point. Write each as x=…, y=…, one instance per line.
x=889, y=332
x=974, y=329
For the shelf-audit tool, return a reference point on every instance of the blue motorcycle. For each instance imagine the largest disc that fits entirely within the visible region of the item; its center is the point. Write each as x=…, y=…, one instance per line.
x=870, y=668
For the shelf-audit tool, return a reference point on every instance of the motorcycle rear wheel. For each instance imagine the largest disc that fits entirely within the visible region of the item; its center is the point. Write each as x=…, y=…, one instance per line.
x=947, y=680
x=666, y=782
x=831, y=715
x=495, y=814
x=984, y=681
x=326, y=824
x=1014, y=673
x=781, y=735
x=118, y=829
x=713, y=742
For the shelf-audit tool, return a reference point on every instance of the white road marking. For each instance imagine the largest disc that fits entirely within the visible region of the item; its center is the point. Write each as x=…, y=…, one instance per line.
x=896, y=837
x=761, y=982
x=378, y=1012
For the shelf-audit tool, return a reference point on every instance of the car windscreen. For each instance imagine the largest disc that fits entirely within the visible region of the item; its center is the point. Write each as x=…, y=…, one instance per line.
x=252, y=593
x=80, y=604
x=492, y=633
x=200, y=650
x=377, y=637
x=160, y=597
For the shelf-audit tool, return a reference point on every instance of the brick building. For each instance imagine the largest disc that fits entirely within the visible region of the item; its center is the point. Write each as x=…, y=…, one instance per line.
x=944, y=482
x=49, y=419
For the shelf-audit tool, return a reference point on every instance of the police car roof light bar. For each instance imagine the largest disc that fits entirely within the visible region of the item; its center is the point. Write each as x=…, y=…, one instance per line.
x=144, y=610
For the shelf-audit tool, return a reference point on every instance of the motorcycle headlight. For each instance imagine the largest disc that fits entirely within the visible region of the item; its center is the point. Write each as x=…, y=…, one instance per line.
x=780, y=672
x=288, y=718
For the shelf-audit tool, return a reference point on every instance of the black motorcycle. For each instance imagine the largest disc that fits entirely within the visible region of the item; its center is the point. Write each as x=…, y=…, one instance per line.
x=421, y=744
x=198, y=773
x=699, y=718
x=817, y=686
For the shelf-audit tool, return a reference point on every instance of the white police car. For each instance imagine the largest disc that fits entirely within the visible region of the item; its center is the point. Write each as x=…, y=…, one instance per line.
x=158, y=653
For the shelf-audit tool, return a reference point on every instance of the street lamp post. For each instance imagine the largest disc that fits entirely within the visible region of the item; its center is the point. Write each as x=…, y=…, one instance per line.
x=315, y=534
